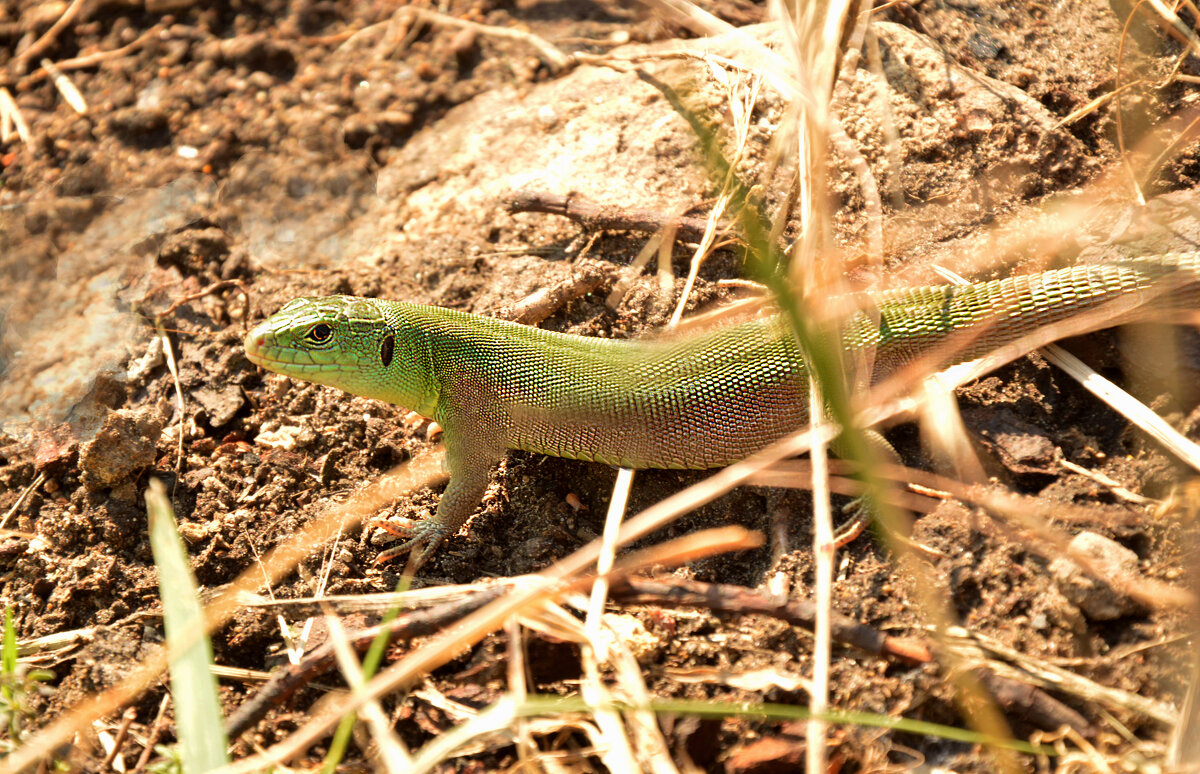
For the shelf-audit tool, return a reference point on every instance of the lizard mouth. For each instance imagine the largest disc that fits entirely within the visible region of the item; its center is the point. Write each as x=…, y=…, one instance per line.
x=255, y=345
x=262, y=350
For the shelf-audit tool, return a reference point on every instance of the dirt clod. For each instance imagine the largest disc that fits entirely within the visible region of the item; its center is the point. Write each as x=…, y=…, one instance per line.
x=1098, y=598
x=124, y=447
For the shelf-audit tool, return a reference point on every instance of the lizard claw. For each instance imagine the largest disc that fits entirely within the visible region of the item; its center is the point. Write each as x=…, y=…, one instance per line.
x=400, y=527
x=860, y=513
x=399, y=550
x=420, y=532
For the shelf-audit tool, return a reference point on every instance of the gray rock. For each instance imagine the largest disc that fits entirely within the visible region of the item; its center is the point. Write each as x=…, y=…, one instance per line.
x=1100, y=600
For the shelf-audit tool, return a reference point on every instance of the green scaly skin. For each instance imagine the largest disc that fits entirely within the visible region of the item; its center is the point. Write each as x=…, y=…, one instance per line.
x=699, y=402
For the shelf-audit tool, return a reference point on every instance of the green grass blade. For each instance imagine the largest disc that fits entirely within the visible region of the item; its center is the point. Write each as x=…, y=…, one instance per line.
x=10, y=644
x=502, y=715
x=9, y=678
x=198, y=720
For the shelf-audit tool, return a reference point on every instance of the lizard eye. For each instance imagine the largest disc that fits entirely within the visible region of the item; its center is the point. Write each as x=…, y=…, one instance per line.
x=319, y=333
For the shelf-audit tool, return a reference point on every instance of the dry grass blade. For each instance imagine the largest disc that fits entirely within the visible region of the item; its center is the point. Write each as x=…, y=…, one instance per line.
x=65, y=87
x=497, y=721
x=518, y=677
x=1184, y=750
x=630, y=272
x=608, y=550
x=169, y=352
x=1095, y=104
x=1056, y=678
x=616, y=748
x=1128, y=406
x=54, y=647
x=824, y=551
x=753, y=680
x=391, y=751
x=10, y=117
x=689, y=548
x=410, y=599
x=944, y=433
x=618, y=752
x=239, y=674
x=1112, y=484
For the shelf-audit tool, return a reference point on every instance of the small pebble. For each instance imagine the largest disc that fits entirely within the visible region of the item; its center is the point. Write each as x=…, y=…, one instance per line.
x=546, y=116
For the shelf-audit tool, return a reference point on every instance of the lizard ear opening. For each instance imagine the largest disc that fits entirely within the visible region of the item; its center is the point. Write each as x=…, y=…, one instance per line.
x=387, y=349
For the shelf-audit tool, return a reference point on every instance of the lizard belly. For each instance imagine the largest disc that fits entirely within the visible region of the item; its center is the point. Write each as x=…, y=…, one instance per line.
x=676, y=429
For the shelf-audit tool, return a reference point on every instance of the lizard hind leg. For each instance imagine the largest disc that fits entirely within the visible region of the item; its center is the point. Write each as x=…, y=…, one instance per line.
x=861, y=510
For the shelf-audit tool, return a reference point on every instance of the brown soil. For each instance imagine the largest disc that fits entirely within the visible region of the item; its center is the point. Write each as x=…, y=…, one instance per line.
x=282, y=148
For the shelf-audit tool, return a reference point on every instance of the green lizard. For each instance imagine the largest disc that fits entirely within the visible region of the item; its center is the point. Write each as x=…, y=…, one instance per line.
x=700, y=402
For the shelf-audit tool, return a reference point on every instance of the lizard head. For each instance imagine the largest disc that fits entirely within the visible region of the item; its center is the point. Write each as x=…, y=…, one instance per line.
x=354, y=344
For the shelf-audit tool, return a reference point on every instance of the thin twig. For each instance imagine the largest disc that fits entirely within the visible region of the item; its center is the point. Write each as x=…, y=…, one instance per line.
x=599, y=216
x=47, y=39
x=738, y=600
x=25, y=493
x=127, y=719
x=549, y=52
x=81, y=62
x=586, y=277
x=152, y=737
x=214, y=287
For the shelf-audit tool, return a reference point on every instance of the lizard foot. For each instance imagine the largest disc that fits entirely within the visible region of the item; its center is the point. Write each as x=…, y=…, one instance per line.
x=423, y=532
x=860, y=516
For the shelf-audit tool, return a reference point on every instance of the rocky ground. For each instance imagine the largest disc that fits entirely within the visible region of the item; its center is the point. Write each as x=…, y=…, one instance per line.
x=233, y=157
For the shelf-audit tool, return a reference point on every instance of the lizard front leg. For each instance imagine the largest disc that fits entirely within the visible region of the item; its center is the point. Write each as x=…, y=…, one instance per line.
x=471, y=451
